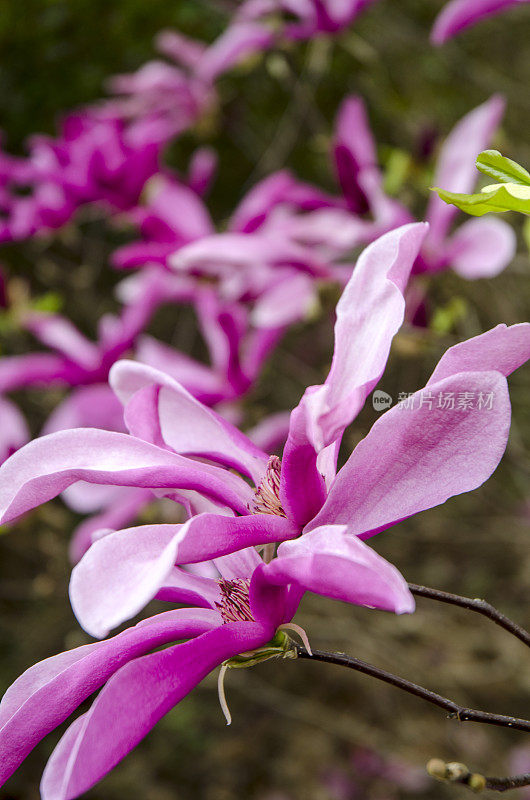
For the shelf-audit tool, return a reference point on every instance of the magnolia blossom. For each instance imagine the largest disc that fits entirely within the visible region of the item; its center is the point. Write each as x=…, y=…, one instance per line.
x=161, y=100
x=260, y=24
x=308, y=520
x=457, y=15
x=284, y=237
x=479, y=248
x=256, y=262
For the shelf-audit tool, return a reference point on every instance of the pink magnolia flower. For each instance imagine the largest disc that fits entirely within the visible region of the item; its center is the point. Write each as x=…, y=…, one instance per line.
x=416, y=456
x=283, y=238
x=256, y=261
x=97, y=160
x=457, y=15
x=479, y=248
x=160, y=100
x=260, y=24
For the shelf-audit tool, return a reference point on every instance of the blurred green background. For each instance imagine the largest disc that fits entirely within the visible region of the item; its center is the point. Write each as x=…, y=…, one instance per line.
x=294, y=723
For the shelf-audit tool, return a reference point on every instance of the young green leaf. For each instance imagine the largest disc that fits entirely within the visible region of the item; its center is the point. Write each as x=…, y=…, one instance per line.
x=502, y=169
x=497, y=198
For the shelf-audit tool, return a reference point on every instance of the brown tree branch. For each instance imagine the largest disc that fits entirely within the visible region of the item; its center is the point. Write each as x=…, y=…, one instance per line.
x=454, y=710
x=479, y=606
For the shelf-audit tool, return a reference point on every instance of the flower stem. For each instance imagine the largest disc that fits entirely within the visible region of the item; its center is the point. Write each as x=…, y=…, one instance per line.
x=479, y=606
x=456, y=711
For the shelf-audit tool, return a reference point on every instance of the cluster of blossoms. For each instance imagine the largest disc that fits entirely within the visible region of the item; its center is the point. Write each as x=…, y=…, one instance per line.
x=262, y=530
x=252, y=530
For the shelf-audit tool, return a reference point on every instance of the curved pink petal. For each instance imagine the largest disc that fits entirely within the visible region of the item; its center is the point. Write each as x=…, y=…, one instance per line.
x=134, y=700
x=45, y=467
x=455, y=169
x=503, y=348
x=47, y=693
x=17, y=372
x=202, y=169
x=417, y=456
x=354, y=152
x=457, y=15
x=183, y=586
x=481, y=248
x=369, y=313
x=240, y=252
x=61, y=335
x=123, y=571
x=240, y=40
x=185, y=424
x=180, y=208
x=333, y=562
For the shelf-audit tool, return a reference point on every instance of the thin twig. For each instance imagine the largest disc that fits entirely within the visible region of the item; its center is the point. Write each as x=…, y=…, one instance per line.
x=479, y=606
x=456, y=711
x=510, y=782
x=455, y=772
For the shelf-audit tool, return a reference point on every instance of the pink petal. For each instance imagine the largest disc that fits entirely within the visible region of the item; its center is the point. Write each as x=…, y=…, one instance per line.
x=59, y=333
x=369, y=313
x=455, y=169
x=482, y=248
x=133, y=701
x=46, y=694
x=17, y=372
x=240, y=40
x=122, y=572
x=354, y=151
x=416, y=458
x=333, y=562
x=503, y=348
x=13, y=429
x=45, y=467
x=187, y=426
x=286, y=302
x=460, y=14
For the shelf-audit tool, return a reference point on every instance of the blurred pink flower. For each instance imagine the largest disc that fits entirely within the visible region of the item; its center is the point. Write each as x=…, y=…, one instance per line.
x=457, y=15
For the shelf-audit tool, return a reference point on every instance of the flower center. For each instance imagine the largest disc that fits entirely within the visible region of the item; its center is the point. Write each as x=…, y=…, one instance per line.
x=234, y=604
x=266, y=498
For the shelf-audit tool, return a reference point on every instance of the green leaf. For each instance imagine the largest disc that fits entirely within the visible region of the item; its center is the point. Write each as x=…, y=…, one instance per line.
x=502, y=169
x=497, y=198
